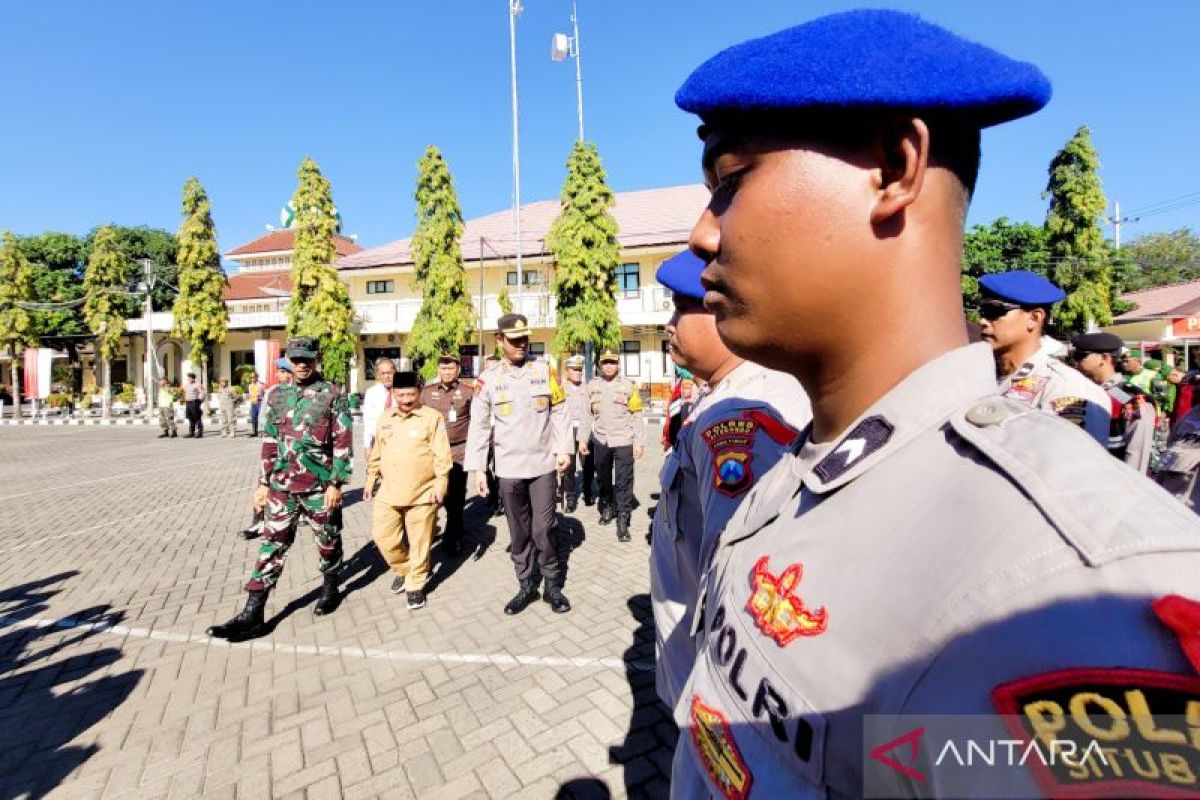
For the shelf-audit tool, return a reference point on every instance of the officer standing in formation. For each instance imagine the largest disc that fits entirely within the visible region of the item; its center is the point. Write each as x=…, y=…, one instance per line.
x=934, y=547
x=582, y=467
x=745, y=421
x=306, y=459
x=519, y=409
x=1013, y=315
x=1131, y=435
x=613, y=426
x=452, y=398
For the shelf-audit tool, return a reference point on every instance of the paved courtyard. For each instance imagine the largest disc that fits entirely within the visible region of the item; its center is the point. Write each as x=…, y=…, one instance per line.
x=117, y=550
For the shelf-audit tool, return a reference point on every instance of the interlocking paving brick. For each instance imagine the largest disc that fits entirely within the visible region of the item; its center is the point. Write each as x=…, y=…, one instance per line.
x=115, y=527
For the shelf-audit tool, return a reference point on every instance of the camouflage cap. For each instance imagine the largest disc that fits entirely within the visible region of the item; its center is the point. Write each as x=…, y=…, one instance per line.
x=301, y=347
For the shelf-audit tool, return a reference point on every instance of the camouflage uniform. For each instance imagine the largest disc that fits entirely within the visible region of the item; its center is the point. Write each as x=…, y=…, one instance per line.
x=306, y=446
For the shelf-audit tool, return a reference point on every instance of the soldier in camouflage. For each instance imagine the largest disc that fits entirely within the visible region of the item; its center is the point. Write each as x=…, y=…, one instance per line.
x=306, y=458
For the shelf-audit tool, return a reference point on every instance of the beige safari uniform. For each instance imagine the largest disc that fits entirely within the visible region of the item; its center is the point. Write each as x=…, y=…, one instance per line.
x=1045, y=383
x=412, y=456
x=521, y=409
x=952, y=551
x=614, y=413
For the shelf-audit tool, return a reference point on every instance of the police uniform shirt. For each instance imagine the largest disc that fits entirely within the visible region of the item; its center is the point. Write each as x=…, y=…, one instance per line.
x=521, y=411
x=1045, y=383
x=950, y=553
x=1180, y=463
x=737, y=431
x=577, y=404
x=614, y=417
x=454, y=403
x=1131, y=437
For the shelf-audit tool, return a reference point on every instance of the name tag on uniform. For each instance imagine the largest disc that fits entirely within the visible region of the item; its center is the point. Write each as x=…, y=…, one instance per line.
x=452, y=416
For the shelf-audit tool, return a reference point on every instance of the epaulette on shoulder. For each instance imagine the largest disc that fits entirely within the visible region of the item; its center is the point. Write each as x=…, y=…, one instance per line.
x=1104, y=509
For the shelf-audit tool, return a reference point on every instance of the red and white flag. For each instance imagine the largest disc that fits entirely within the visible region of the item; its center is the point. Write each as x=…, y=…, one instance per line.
x=266, y=353
x=37, y=372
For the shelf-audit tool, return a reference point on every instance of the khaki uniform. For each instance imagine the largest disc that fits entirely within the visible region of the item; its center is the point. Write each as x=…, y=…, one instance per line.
x=614, y=425
x=1045, y=383
x=949, y=552
x=521, y=411
x=737, y=431
x=412, y=456
x=578, y=400
x=453, y=402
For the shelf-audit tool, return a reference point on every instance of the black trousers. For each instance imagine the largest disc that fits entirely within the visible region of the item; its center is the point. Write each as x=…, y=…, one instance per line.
x=615, y=467
x=456, y=498
x=529, y=507
x=582, y=464
x=195, y=417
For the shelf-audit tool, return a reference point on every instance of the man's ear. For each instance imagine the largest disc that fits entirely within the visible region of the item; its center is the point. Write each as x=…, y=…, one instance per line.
x=901, y=151
x=1038, y=317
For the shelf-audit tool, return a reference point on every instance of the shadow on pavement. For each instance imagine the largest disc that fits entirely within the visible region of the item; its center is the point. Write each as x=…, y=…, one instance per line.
x=358, y=572
x=583, y=789
x=650, y=738
x=39, y=721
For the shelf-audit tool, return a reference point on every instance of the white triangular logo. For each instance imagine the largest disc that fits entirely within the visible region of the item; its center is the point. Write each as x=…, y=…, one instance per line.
x=853, y=448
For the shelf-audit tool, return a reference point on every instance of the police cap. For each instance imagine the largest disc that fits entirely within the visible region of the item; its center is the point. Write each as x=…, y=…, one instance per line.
x=681, y=274
x=610, y=357
x=865, y=59
x=1086, y=343
x=1022, y=287
x=575, y=362
x=513, y=326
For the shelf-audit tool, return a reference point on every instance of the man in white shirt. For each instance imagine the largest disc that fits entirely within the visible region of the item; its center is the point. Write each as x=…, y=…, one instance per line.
x=376, y=399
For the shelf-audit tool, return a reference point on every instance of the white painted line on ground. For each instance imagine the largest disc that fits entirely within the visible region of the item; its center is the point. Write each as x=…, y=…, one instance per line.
x=35, y=542
x=159, y=469
x=267, y=646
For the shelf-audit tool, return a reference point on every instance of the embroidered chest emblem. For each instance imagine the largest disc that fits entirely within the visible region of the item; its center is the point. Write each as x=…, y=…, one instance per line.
x=718, y=751
x=779, y=612
x=730, y=442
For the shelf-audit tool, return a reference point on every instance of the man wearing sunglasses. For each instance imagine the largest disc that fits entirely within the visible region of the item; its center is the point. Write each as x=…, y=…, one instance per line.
x=1013, y=313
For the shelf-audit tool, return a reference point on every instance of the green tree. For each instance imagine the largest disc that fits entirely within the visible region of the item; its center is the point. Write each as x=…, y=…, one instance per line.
x=1074, y=238
x=16, y=326
x=446, y=318
x=1159, y=258
x=57, y=260
x=139, y=244
x=583, y=240
x=1000, y=246
x=199, y=311
x=104, y=283
x=320, y=305
x=504, y=300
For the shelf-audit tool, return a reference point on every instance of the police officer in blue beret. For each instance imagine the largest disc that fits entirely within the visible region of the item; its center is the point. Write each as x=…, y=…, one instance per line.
x=935, y=551
x=1013, y=313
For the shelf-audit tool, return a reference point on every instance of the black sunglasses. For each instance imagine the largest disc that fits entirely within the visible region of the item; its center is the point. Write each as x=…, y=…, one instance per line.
x=992, y=310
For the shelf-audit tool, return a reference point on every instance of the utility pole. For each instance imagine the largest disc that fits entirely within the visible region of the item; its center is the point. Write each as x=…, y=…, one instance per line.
x=514, y=8
x=148, y=280
x=578, y=68
x=1116, y=220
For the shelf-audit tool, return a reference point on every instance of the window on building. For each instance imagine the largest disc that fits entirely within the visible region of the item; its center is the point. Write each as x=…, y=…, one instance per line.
x=532, y=277
x=370, y=354
x=466, y=358
x=631, y=358
x=668, y=366
x=537, y=350
x=629, y=278
x=510, y=279
x=381, y=287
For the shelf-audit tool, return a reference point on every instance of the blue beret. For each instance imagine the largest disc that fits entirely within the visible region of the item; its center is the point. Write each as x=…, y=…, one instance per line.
x=1022, y=287
x=861, y=60
x=681, y=274
x=284, y=365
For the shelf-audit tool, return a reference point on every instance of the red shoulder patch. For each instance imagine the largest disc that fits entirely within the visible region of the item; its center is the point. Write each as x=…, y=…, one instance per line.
x=772, y=426
x=1182, y=616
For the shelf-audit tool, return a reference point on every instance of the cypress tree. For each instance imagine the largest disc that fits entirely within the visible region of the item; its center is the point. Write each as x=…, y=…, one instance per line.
x=583, y=240
x=320, y=304
x=104, y=283
x=200, y=313
x=1074, y=238
x=16, y=323
x=447, y=317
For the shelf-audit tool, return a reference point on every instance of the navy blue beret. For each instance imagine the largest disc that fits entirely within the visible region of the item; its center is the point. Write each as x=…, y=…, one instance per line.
x=863, y=60
x=1096, y=343
x=1022, y=287
x=681, y=274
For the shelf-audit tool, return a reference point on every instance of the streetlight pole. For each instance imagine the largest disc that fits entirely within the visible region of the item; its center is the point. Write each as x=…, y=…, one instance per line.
x=148, y=376
x=578, y=68
x=514, y=8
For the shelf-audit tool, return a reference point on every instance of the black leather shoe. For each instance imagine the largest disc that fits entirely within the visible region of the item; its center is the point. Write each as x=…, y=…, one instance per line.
x=521, y=600
x=554, y=596
x=250, y=533
x=248, y=624
x=588, y=500
x=327, y=603
x=623, y=526
x=174, y=435
x=607, y=514
x=163, y=435
x=498, y=511
x=572, y=504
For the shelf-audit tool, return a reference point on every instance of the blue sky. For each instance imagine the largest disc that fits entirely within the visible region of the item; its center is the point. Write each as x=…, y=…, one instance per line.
x=111, y=106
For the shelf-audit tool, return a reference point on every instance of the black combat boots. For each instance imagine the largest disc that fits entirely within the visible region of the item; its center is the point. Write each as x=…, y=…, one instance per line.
x=623, y=526
x=572, y=503
x=521, y=600
x=554, y=596
x=607, y=512
x=248, y=624
x=327, y=603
